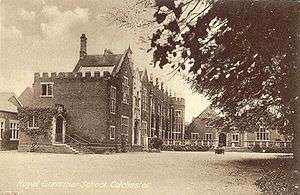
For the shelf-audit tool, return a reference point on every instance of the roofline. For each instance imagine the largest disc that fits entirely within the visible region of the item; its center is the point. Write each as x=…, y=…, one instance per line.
x=18, y=100
x=9, y=111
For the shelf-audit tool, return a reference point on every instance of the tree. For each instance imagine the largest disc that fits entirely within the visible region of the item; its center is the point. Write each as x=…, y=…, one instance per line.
x=243, y=55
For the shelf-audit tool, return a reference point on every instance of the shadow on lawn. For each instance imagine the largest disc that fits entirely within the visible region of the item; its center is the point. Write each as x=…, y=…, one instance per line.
x=278, y=177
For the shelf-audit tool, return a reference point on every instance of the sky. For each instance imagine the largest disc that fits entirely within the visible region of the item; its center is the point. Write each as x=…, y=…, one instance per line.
x=43, y=36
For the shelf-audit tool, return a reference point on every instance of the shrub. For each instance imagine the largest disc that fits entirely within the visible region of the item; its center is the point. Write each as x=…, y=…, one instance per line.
x=187, y=148
x=273, y=149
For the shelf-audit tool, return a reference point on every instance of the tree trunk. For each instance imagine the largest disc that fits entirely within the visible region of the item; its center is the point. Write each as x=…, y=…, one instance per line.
x=296, y=143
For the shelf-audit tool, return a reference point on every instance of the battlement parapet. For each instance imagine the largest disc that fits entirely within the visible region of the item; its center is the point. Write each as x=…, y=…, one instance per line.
x=178, y=101
x=71, y=75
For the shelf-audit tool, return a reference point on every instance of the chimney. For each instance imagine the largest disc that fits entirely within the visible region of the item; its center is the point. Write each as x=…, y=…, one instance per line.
x=83, y=46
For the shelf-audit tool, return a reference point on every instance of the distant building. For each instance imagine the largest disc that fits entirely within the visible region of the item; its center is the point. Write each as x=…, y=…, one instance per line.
x=9, y=124
x=201, y=132
x=105, y=101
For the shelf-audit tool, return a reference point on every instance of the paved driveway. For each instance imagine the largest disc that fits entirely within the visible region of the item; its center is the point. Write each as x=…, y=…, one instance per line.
x=131, y=173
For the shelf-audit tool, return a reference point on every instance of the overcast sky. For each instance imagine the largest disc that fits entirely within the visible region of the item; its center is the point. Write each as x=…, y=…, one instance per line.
x=43, y=36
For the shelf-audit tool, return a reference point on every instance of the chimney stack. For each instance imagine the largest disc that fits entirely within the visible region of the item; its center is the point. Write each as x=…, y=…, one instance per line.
x=83, y=46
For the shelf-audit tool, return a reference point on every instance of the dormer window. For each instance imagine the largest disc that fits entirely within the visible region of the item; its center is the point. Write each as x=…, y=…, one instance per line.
x=47, y=89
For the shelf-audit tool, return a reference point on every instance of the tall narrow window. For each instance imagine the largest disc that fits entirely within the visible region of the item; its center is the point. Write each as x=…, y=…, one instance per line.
x=262, y=134
x=235, y=137
x=14, y=127
x=33, y=123
x=178, y=121
x=113, y=100
x=112, y=132
x=47, y=89
x=144, y=127
x=2, y=128
x=125, y=89
x=125, y=124
x=144, y=99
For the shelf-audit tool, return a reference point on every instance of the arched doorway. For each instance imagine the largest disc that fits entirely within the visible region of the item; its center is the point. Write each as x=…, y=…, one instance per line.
x=222, y=139
x=59, y=129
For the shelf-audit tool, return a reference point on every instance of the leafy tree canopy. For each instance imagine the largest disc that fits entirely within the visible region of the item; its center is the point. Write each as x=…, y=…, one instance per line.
x=243, y=55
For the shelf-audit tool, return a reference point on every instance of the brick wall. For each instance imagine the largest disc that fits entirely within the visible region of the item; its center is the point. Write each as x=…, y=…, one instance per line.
x=85, y=99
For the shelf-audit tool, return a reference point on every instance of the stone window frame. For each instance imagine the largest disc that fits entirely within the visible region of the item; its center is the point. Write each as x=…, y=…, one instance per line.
x=47, y=84
x=124, y=125
x=15, y=129
x=113, y=99
x=112, y=136
x=2, y=127
x=235, y=137
x=193, y=134
x=144, y=99
x=176, y=135
x=144, y=126
x=34, y=123
x=125, y=90
x=262, y=134
x=178, y=121
x=208, y=136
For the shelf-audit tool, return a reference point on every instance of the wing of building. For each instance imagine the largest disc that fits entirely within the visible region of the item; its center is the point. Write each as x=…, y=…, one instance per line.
x=9, y=124
x=105, y=102
x=201, y=132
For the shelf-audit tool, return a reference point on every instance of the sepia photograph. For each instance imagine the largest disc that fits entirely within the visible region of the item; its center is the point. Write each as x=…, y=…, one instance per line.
x=154, y=97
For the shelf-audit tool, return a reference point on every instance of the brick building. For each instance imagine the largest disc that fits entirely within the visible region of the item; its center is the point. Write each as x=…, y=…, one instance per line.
x=199, y=131
x=9, y=124
x=107, y=101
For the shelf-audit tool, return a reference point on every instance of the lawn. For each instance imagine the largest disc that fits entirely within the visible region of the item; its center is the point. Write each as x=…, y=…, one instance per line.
x=130, y=173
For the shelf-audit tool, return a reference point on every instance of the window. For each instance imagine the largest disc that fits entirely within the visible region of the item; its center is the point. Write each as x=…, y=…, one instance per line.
x=14, y=127
x=144, y=127
x=195, y=135
x=144, y=99
x=163, y=134
x=178, y=121
x=137, y=100
x=32, y=123
x=2, y=128
x=159, y=109
x=176, y=135
x=235, y=137
x=47, y=89
x=262, y=134
x=125, y=124
x=125, y=88
x=152, y=105
x=113, y=96
x=112, y=132
x=208, y=136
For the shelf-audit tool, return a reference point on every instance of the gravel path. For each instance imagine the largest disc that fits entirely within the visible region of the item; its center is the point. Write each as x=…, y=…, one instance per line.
x=131, y=173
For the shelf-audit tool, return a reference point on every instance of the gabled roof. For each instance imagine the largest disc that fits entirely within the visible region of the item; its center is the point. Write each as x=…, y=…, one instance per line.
x=104, y=60
x=208, y=113
x=26, y=97
x=9, y=102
